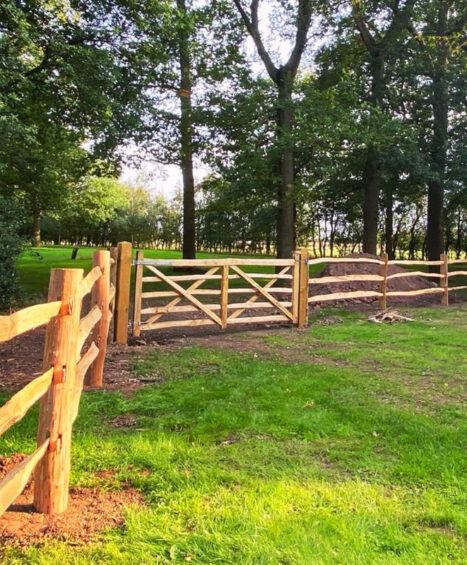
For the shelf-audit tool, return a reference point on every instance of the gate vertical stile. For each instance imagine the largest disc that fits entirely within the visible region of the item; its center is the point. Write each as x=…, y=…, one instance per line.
x=296, y=287
x=303, y=292
x=138, y=293
x=224, y=295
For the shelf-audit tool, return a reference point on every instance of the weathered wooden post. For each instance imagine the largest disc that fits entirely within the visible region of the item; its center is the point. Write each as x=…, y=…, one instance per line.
x=303, y=291
x=444, y=281
x=383, y=285
x=138, y=293
x=113, y=282
x=100, y=296
x=52, y=475
x=122, y=297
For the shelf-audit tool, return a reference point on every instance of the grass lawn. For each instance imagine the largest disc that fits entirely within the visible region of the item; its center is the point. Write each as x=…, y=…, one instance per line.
x=341, y=444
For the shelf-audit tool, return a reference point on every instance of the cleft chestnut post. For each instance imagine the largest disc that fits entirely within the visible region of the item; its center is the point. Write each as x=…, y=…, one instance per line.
x=52, y=474
x=100, y=296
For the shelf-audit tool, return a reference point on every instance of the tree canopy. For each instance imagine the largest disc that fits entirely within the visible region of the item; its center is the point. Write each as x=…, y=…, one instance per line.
x=335, y=125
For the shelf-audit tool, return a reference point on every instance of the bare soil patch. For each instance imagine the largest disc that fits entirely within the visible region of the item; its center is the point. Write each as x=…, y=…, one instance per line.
x=89, y=512
x=21, y=362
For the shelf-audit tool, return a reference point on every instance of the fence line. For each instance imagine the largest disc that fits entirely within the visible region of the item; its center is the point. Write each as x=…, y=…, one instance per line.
x=289, y=302
x=58, y=389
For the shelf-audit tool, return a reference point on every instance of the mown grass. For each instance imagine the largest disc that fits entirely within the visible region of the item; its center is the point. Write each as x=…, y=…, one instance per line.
x=349, y=451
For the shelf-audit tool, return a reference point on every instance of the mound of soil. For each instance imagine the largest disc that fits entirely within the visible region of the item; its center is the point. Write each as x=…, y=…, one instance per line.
x=89, y=512
x=398, y=284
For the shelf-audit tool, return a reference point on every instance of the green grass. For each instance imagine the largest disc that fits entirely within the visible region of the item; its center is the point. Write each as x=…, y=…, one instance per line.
x=348, y=447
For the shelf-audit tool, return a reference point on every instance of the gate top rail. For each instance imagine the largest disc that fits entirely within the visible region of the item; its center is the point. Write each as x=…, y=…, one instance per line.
x=214, y=262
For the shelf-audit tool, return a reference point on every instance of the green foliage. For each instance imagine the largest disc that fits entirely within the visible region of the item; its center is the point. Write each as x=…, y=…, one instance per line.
x=11, y=245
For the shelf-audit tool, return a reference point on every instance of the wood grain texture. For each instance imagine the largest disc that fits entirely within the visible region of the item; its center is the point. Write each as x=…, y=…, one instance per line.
x=14, y=482
x=100, y=297
x=17, y=406
x=122, y=298
x=345, y=295
x=27, y=319
x=88, y=282
x=87, y=324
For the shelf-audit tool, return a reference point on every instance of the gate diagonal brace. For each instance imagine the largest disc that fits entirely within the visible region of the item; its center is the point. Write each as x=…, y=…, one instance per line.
x=265, y=293
x=185, y=294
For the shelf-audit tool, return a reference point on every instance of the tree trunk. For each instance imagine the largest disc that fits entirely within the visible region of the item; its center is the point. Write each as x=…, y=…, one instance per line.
x=36, y=228
x=389, y=224
x=372, y=172
x=439, y=144
x=186, y=137
x=286, y=196
x=371, y=187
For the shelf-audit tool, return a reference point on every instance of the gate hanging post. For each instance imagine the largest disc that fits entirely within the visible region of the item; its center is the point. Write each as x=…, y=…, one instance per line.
x=444, y=282
x=122, y=296
x=303, y=290
x=52, y=474
x=383, y=285
x=100, y=296
x=138, y=293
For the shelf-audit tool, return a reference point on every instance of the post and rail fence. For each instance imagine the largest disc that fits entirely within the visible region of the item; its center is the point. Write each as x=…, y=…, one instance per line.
x=260, y=290
x=246, y=291
x=66, y=368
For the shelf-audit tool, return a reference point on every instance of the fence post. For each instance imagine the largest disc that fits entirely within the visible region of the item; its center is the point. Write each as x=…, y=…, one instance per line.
x=296, y=286
x=303, y=290
x=224, y=295
x=122, y=296
x=444, y=282
x=138, y=292
x=383, y=285
x=100, y=296
x=113, y=281
x=52, y=475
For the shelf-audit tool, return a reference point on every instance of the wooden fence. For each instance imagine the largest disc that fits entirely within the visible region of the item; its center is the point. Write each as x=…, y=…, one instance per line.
x=65, y=369
x=383, y=277
x=284, y=291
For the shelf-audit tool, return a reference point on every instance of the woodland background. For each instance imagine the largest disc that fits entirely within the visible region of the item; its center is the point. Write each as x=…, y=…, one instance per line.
x=338, y=125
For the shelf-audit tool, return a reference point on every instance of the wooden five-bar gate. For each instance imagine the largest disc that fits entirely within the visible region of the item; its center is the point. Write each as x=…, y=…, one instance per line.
x=240, y=292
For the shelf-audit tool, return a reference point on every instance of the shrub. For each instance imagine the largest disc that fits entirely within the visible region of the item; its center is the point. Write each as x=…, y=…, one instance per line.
x=11, y=245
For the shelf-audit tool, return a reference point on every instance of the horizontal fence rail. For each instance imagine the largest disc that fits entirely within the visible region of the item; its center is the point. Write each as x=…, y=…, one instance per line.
x=59, y=387
x=382, y=293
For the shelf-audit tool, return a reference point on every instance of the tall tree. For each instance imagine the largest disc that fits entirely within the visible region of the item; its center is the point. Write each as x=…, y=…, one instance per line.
x=440, y=33
x=378, y=42
x=283, y=77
